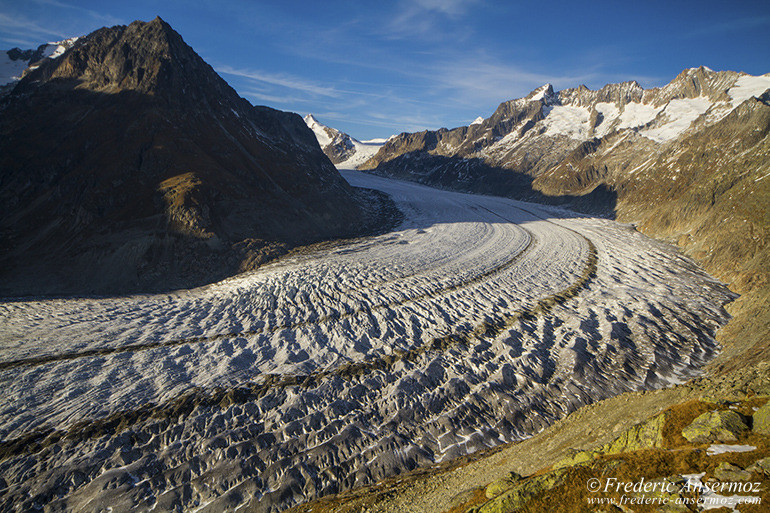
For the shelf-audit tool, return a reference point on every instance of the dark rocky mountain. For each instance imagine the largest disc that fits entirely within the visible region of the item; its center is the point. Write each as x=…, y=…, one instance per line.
x=687, y=162
x=127, y=164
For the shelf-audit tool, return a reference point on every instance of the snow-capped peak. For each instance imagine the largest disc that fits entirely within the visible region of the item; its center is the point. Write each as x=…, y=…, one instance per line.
x=311, y=120
x=57, y=48
x=344, y=151
x=479, y=120
x=541, y=93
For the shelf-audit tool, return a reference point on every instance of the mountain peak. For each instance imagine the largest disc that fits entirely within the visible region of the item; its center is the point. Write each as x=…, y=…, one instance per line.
x=541, y=93
x=150, y=58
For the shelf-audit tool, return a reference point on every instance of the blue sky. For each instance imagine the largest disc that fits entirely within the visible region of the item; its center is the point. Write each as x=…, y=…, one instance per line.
x=377, y=68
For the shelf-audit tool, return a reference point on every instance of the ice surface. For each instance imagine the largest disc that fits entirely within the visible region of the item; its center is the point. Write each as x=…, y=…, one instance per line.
x=485, y=275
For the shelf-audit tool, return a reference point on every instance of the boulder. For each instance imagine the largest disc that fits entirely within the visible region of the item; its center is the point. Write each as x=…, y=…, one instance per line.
x=731, y=473
x=760, y=466
x=715, y=426
x=522, y=491
x=761, y=420
x=495, y=488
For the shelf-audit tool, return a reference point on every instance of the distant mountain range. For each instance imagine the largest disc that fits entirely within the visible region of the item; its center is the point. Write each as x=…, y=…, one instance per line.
x=343, y=150
x=128, y=164
x=688, y=162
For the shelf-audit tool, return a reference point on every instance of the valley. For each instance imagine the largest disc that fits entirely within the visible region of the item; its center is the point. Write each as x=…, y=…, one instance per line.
x=478, y=321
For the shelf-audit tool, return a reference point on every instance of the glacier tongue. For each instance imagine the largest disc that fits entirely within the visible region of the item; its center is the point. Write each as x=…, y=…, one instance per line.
x=478, y=321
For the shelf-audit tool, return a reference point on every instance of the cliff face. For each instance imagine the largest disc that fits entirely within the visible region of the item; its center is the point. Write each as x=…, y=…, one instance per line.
x=128, y=164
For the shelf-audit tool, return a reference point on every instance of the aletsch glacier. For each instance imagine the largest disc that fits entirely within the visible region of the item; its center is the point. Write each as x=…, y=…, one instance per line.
x=355, y=324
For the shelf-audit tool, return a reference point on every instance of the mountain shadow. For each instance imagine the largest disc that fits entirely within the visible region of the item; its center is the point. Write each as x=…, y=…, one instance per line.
x=474, y=175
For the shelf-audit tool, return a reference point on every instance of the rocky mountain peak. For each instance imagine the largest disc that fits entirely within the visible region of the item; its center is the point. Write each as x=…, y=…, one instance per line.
x=543, y=93
x=150, y=58
x=137, y=142
x=694, y=83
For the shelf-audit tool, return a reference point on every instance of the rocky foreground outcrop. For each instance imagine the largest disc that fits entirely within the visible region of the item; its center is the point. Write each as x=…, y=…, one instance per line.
x=127, y=164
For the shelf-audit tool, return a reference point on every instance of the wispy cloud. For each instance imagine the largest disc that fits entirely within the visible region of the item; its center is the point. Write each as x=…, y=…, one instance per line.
x=473, y=80
x=17, y=28
x=94, y=15
x=282, y=80
x=23, y=29
x=425, y=18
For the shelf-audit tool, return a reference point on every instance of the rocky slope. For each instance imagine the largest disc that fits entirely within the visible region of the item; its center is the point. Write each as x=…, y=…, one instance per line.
x=343, y=150
x=129, y=164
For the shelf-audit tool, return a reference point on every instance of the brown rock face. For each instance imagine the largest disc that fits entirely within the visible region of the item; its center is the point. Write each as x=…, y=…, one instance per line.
x=128, y=164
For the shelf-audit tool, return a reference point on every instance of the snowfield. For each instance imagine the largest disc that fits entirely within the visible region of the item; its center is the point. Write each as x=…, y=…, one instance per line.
x=478, y=321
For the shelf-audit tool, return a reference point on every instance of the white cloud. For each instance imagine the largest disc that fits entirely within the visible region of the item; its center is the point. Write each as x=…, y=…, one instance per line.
x=96, y=16
x=19, y=27
x=282, y=80
x=425, y=19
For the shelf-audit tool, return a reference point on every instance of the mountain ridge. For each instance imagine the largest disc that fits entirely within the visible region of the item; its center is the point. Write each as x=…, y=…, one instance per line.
x=686, y=162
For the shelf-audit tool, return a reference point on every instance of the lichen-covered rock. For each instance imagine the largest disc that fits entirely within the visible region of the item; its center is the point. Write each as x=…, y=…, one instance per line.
x=715, y=426
x=760, y=466
x=646, y=435
x=727, y=472
x=576, y=459
x=761, y=420
x=520, y=493
x=495, y=488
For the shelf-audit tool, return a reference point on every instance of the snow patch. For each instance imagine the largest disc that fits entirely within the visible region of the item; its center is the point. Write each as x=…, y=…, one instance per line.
x=479, y=120
x=747, y=86
x=10, y=70
x=567, y=120
x=364, y=151
x=677, y=117
x=637, y=114
x=610, y=113
x=541, y=92
x=319, y=130
x=723, y=448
